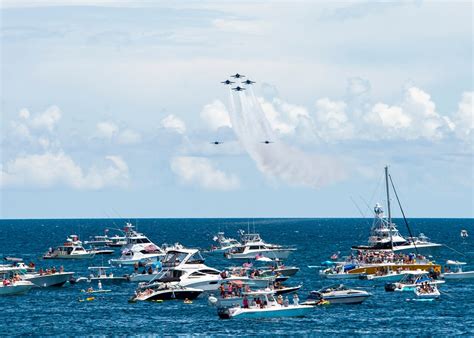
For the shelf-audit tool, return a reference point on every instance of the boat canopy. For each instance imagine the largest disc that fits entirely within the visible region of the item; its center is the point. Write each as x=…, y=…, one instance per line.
x=450, y=262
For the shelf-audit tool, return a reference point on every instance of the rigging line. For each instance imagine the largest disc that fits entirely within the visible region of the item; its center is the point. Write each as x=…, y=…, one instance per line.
x=403, y=213
x=455, y=250
x=377, y=187
x=367, y=205
x=360, y=211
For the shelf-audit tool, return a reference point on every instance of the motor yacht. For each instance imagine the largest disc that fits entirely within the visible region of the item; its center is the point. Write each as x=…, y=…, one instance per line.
x=71, y=249
x=427, y=292
x=411, y=281
x=454, y=271
x=11, y=283
x=384, y=234
x=275, y=267
x=338, y=294
x=262, y=304
x=224, y=243
x=254, y=247
x=139, y=249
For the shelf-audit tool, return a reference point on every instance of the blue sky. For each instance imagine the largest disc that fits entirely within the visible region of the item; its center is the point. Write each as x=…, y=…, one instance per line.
x=108, y=108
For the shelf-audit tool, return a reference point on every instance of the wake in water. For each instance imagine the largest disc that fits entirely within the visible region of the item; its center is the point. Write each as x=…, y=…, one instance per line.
x=277, y=159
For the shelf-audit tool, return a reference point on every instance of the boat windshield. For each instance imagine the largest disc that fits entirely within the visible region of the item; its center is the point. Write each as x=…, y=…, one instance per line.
x=195, y=259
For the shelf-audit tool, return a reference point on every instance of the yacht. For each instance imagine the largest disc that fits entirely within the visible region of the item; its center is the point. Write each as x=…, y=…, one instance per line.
x=10, y=284
x=254, y=247
x=47, y=278
x=71, y=249
x=338, y=294
x=267, y=307
x=139, y=249
x=187, y=267
x=384, y=234
x=224, y=243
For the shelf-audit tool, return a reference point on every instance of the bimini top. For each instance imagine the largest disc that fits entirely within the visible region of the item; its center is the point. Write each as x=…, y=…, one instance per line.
x=450, y=262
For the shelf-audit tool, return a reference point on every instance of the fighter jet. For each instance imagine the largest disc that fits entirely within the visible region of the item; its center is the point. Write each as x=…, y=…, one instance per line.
x=237, y=76
x=267, y=142
x=248, y=82
x=238, y=88
x=227, y=82
x=216, y=142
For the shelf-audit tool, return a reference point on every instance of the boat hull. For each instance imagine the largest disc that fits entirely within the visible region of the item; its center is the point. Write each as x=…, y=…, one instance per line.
x=273, y=312
x=272, y=254
x=352, y=299
x=44, y=281
x=171, y=295
x=17, y=289
x=82, y=256
x=459, y=275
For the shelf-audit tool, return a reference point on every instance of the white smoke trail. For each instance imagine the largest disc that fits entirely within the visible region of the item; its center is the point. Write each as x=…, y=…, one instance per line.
x=278, y=160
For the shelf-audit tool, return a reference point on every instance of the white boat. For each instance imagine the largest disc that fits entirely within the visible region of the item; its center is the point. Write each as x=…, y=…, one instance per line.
x=139, y=249
x=338, y=294
x=464, y=234
x=427, y=292
x=340, y=271
x=391, y=276
x=411, y=281
x=45, y=280
x=384, y=234
x=11, y=284
x=268, y=308
x=224, y=243
x=456, y=272
x=99, y=273
x=71, y=249
x=254, y=247
x=150, y=272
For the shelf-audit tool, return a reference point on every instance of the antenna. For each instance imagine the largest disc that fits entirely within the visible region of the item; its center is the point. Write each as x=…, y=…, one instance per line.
x=388, y=207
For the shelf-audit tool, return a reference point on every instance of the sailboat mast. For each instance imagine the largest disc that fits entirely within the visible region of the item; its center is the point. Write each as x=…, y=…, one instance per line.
x=388, y=207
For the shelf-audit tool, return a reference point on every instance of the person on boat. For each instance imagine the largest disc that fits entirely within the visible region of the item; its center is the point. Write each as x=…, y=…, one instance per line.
x=61, y=269
x=135, y=267
x=254, y=302
x=31, y=265
x=90, y=289
x=99, y=285
x=150, y=270
x=41, y=271
x=53, y=270
x=245, y=303
x=229, y=289
x=222, y=290
x=280, y=299
x=6, y=282
x=296, y=299
x=286, y=302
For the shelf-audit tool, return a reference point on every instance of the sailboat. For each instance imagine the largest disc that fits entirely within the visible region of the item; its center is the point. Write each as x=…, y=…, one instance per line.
x=384, y=234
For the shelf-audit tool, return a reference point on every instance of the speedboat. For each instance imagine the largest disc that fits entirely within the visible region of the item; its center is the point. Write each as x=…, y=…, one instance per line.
x=276, y=267
x=464, y=233
x=384, y=234
x=338, y=294
x=139, y=249
x=224, y=243
x=71, y=249
x=341, y=271
x=456, y=271
x=427, y=291
x=391, y=276
x=165, y=291
x=11, y=283
x=254, y=247
x=99, y=273
x=263, y=305
x=411, y=281
x=47, y=278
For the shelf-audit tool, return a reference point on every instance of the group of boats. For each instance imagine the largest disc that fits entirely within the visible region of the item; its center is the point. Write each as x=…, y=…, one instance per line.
x=256, y=285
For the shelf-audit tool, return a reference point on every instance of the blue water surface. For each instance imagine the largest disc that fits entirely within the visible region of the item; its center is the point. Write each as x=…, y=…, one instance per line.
x=57, y=311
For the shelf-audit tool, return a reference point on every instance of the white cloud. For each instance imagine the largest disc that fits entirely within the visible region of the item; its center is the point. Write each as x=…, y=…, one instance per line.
x=332, y=121
x=464, y=118
x=201, y=172
x=46, y=120
x=215, y=115
x=107, y=129
x=174, y=123
x=129, y=136
x=387, y=120
x=58, y=169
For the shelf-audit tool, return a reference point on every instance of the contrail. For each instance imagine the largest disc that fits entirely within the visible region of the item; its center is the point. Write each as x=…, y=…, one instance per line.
x=277, y=160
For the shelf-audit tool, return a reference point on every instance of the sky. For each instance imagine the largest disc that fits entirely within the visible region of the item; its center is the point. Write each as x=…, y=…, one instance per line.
x=109, y=108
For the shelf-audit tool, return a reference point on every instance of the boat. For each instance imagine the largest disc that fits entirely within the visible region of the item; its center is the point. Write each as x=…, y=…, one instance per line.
x=165, y=291
x=337, y=294
x=139, y=249
x=263, y=305
x=341, y=271
x=384, y=234
x=276, y=267
x=149, y=273
x=427, y=292
x=117, y=241
x=411, y=281
x=11, y=283
x=71, y=249
x=254, y=247
x=390, y=276
x=99, y=273
x=464, y=234
x=101, y=251
x=224, y=243
x=47, y=278
x=454, y=271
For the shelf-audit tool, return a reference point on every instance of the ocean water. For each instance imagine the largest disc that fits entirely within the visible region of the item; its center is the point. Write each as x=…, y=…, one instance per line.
x=57, y=311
